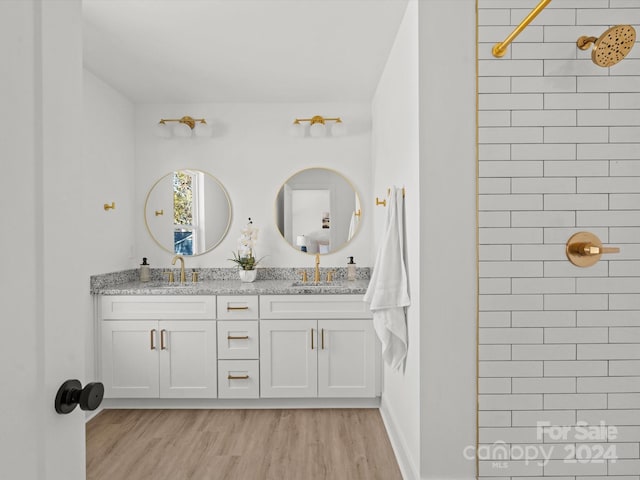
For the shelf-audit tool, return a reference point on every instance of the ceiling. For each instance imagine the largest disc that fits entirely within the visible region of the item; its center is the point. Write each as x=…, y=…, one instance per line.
x=192, y=51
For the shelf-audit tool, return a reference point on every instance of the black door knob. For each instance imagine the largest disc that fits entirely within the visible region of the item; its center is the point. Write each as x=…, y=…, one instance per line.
x=71, y=394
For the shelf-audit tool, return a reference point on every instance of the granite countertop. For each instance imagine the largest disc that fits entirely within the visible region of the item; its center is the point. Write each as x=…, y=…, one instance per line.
x=234, y=287
x=226, y=282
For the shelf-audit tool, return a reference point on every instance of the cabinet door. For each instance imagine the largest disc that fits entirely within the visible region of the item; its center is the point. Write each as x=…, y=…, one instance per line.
x=130, y=358
x=187, y=359
x=288, y=358
x=346, y=358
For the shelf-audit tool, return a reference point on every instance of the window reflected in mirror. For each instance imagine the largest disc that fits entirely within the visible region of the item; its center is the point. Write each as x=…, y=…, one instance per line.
x=187, y=212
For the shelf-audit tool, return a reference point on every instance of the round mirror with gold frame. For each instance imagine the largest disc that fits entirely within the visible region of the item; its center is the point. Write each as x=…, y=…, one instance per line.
x=187, y=212
x=318, y=211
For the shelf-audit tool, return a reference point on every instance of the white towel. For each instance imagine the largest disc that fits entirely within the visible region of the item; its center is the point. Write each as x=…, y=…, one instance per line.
x=388, y=289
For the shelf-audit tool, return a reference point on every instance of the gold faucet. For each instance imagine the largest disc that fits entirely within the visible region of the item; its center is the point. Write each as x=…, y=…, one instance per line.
x=305, y=278
x=183, y=277
x=330, y=276
x=316, y=275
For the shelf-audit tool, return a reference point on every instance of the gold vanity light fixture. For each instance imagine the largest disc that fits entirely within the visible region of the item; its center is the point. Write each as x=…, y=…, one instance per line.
x=185, y=127
x=584, y=249
x=318, y=127
x=499, y=49
x=611, y=47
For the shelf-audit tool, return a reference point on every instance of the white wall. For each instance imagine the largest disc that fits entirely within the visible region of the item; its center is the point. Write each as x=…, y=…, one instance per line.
x=559, y=150
x=108, y=149
x=107, y=176
x=396, y=162
x=448, y=274
x=252, y=154
x=424, y=139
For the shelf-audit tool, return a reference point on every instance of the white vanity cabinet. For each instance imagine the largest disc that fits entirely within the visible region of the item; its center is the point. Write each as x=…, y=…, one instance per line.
x=237, y=347
x=158, y=346
x=317, y=346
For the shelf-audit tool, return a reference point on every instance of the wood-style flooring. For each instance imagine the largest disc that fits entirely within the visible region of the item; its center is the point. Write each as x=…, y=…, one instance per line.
x=305, y=444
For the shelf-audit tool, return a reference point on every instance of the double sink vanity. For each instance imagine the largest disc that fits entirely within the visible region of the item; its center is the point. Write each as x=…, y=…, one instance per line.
x=210, y=340
x=224, y=339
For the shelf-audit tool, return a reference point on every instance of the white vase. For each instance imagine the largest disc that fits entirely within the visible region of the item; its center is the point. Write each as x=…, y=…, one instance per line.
x=248, y=275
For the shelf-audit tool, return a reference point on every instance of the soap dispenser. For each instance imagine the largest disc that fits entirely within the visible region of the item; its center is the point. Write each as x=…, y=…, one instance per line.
x=351, y=269
x=145, y=274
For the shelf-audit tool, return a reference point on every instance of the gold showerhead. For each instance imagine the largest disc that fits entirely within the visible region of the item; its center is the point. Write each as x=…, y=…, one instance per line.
x=611, y=47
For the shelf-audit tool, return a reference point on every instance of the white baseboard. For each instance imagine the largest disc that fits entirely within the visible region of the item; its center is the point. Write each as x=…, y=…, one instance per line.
x=407, y=467
x=91, y=415
x=169, y=403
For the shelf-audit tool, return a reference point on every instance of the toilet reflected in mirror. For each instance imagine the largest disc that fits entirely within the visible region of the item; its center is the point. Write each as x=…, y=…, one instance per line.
x=318, y=211
x=187, y=212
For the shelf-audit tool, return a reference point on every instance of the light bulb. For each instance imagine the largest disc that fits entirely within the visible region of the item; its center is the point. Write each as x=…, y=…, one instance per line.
x=296, y=130
x=182, y=130
x=162, y=130
x=317, y=130
x=202, y=130
x=338, y=129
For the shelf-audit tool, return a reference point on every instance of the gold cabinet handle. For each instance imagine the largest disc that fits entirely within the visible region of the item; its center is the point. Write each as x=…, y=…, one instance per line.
x=152, y=340
x=236, y=308
x=234, y=337
x=163, y=346
x=584, y=249
x=237, y=377
x=312, y=339
x=322, y=338
x=159, y=213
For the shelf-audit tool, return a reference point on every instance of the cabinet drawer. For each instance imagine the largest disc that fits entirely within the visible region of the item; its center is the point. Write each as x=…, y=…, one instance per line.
x=238, y=379
x=313, y=306
x=159, y=307
x=238, y=339
x=242, y=307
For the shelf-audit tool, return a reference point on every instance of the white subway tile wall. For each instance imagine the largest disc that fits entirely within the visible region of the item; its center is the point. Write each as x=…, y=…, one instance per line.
x=559, y=152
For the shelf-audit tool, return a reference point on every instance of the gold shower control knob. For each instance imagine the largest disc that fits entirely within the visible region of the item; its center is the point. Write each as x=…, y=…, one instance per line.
x=584, y=249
